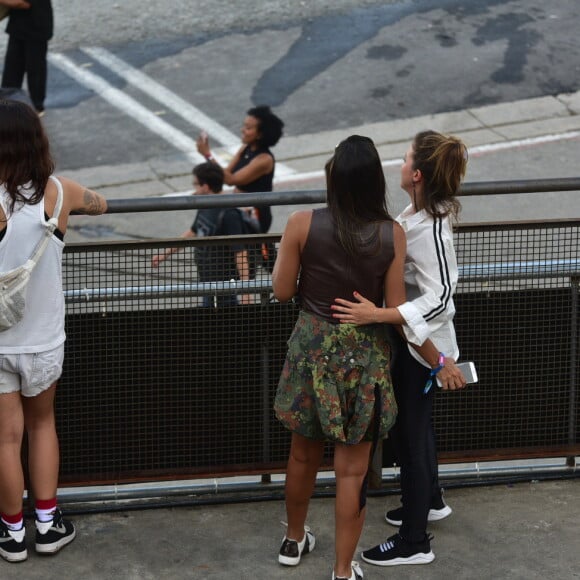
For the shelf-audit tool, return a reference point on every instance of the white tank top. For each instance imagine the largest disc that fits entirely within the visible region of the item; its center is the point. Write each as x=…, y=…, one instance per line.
x=42, y=326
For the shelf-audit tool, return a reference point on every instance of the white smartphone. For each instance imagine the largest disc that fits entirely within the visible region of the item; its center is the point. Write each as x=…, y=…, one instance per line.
x=468, y=370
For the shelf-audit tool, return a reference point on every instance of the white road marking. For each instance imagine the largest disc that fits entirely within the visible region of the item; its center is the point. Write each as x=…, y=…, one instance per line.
x=529, y=141
x=164, y=96
x=473, y=151
x=175, y=103
x=128, y=105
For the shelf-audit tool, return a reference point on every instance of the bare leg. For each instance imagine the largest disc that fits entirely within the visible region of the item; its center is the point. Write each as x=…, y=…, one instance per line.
x=43, y=451
x=350, y=466
x=11, y=432
x=303, y=463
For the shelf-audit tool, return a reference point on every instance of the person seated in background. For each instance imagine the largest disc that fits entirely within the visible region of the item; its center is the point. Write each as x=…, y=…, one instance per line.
x=215, y=263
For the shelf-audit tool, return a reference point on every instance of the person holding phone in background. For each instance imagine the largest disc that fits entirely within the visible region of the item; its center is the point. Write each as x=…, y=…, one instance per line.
x=432, y=170
x=252, y=167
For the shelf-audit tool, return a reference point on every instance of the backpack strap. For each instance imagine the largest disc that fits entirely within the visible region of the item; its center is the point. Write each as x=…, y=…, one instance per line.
x=51, y=225
x=53, y=221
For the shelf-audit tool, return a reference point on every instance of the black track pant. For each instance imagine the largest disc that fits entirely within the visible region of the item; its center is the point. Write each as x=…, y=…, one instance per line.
x=413, y=438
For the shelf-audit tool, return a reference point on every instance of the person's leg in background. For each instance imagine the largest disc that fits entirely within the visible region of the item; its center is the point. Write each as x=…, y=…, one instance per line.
x=36, y=72
x=14, y=63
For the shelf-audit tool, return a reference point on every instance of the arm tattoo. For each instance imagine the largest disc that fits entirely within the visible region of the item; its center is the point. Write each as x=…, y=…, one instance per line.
x=92, y=203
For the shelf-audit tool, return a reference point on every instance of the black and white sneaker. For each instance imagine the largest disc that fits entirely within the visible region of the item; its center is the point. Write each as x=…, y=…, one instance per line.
x=439, y=510
x=291, y=550
x=52, y=536
x=356, y=574
x=12, y=544
x=397, y=551
x=395, y=517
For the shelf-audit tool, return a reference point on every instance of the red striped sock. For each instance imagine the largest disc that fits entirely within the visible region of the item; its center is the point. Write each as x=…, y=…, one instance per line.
x=15, y=522
x=45, y=509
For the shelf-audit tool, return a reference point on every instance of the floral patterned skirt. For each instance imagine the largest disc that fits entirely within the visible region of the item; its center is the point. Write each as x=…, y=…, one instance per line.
x=335, y=381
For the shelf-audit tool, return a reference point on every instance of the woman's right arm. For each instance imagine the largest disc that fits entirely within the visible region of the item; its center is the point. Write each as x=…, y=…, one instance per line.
x=287, y=266
x=82, y=200
x=76, y=198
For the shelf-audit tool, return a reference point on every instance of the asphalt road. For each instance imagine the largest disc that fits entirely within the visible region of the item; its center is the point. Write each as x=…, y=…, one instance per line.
x=320, y=65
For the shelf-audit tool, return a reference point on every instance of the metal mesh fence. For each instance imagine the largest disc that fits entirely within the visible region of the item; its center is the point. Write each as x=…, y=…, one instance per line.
x=170, y=371
x=517, y=318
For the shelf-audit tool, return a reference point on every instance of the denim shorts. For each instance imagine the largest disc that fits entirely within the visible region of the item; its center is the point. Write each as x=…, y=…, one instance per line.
x=30, y=373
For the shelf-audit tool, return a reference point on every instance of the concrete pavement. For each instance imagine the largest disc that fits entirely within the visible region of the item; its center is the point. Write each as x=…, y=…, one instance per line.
x=523, y=531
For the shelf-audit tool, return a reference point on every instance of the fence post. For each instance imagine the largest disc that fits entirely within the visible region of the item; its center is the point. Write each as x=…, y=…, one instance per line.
x=265, y=373
x=575, y=290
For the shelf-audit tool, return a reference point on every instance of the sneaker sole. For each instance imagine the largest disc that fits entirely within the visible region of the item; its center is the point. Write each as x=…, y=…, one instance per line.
x=55, y=547
x=287, y=561
x=434, y=516
x=421, y=558
x=12, y=557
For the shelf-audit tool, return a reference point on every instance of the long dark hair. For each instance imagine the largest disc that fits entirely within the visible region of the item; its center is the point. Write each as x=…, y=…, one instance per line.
x=442, y=160
x=356, y=194
x=24, y=152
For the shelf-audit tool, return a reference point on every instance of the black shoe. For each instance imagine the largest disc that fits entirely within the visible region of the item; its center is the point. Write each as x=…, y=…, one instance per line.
x=291, y=550
x=12, y=544
x=397, y=551
x=52, y=536
x=440, y=512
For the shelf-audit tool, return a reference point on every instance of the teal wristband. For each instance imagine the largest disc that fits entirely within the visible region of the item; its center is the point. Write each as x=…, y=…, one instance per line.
x=440, y=365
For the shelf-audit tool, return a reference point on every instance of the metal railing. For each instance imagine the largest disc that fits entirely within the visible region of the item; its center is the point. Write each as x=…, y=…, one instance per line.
x=157, y=387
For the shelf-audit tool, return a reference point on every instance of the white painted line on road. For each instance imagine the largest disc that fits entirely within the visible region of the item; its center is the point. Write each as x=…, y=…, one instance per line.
x=473, y=151
x=171, y=101
x=529, y=141
x=164, y=96
x=319, y=173
x=128, y=105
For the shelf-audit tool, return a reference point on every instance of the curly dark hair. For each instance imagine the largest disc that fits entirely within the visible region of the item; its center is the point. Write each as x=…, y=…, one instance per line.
x=24, y=152
x=269, y=125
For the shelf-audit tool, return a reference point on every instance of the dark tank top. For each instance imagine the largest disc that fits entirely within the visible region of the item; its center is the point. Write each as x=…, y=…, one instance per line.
x=329, y=272
x=263, y=183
